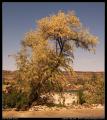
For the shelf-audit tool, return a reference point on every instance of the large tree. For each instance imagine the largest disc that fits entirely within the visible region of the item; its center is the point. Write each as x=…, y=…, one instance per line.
x=48, y=50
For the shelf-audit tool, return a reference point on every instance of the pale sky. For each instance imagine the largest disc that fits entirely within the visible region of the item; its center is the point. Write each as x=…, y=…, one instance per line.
x=19, y=17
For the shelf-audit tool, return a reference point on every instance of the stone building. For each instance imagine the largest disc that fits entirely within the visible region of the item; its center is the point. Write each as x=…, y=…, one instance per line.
x=67, y=98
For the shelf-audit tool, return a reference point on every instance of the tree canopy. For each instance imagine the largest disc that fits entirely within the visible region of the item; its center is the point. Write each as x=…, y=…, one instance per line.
x=40, y=65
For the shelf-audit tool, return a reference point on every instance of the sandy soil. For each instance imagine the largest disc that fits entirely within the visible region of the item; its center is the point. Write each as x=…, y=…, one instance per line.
x=62, y=113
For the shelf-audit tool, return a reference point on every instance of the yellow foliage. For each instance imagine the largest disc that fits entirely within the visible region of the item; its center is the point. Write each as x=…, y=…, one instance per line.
x=67, y=32
x=58, y=25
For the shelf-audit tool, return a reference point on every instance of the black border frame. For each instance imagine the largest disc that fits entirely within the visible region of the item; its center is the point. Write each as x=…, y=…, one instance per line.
x=2, y=1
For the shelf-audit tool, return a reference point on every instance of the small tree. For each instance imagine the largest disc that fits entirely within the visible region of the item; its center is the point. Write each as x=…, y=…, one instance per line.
x=40, y=65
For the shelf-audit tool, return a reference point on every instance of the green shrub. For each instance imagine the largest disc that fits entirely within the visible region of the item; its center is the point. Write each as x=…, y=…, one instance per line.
x=9, y=99
x=14, y=98
x=22, y=100
x=81, y=97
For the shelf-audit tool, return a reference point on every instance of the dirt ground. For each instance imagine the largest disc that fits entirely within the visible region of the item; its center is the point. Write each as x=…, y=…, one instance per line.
x=62, y=113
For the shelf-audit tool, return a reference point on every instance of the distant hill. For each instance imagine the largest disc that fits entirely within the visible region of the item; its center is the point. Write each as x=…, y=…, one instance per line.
x=10, y=75
x=81, y=75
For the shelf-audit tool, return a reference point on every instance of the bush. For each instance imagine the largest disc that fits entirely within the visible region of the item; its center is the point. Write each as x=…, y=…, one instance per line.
x=81, y=97
x=94, y=90
x=22, y=101
x=14, y=98
x=9, y=100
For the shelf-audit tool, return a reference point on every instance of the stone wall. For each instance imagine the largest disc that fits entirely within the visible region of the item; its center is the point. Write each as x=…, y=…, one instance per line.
x=66, y=98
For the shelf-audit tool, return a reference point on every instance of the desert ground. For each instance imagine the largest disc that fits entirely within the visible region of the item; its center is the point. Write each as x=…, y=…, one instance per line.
x=58, y=113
